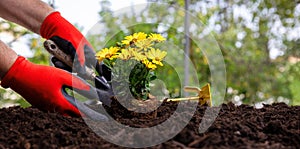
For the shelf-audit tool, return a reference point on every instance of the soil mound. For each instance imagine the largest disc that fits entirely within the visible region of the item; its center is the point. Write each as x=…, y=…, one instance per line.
x=273, y=126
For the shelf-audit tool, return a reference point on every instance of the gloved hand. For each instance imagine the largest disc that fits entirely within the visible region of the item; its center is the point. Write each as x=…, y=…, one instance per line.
x=73, y=43
x=44, y=87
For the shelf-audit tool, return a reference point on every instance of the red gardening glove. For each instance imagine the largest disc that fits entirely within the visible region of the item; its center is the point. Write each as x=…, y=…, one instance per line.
x=73, y=43
x=44, y=86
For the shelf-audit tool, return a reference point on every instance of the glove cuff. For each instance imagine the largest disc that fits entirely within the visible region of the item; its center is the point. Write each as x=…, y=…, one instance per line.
x=50, y=23
x=9, y=78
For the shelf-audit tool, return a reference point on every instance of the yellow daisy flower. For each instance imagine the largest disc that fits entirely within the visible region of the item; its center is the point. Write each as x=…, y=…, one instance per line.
x=156, y=56
x=148, y=64
x=139, y=36
x=127, y=40
x=134, y=38
x=125, y=54
x=156, y=37
x=110, y=53
x=144, y=44
x=139, y=56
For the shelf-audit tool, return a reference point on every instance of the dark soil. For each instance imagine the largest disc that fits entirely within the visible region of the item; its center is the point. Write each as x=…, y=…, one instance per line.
x=274, y=126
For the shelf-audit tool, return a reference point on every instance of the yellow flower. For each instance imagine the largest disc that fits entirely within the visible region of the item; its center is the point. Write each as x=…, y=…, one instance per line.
x=139, y=36
x=156, y=37
x=144, y=44
x=125, y=54
x=139, y=56
x=110, y=53
x=127, y=40
x=148, y=64
x=134, y=38
x=156, y=56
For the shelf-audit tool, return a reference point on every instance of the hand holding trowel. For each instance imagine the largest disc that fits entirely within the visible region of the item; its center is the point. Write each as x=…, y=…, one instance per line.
x=102, y=91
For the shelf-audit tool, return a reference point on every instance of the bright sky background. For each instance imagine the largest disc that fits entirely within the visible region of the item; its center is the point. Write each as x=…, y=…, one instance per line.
x=85, y=12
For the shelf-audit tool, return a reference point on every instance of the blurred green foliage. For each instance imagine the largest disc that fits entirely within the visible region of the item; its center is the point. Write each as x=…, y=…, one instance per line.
x=249, y=34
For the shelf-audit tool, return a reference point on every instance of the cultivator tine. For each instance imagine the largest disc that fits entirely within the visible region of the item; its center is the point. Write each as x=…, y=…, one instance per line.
x=203, y=95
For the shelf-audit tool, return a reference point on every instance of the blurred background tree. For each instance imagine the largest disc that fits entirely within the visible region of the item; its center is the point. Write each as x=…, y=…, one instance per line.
x=259, y=41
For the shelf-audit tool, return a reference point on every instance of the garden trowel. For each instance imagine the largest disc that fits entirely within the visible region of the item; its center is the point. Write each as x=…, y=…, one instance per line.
x=203, y=95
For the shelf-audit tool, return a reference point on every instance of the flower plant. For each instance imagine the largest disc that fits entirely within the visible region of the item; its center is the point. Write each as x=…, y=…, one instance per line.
x=133, y=62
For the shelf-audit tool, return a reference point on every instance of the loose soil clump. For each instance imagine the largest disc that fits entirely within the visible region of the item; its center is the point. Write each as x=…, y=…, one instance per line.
x=273, y=126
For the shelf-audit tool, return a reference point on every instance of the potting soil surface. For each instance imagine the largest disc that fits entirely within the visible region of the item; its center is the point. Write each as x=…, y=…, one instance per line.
x=273, y=126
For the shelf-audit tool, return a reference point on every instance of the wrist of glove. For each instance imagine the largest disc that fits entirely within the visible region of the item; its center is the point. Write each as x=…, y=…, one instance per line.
x=43, y=86
x=73, y=43
x=70, y=40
